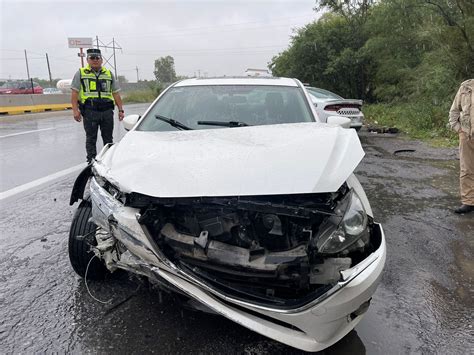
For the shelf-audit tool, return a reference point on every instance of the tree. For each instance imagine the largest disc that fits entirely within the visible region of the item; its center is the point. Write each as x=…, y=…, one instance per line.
x=46, y=83
x=355, y=12
x=164, y=70
x=388, y=51
x=327, y=54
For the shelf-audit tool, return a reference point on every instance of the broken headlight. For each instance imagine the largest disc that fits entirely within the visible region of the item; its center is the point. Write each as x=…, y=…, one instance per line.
x=346, y=227
x=106, y=185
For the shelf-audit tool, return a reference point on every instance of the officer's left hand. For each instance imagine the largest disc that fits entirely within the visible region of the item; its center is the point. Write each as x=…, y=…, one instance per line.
x=121, y=116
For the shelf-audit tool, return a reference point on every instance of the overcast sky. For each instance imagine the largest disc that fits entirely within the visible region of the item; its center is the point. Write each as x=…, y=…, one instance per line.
x=212, y=38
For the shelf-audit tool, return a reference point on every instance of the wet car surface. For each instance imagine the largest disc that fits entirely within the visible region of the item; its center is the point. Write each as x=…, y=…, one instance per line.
x=328, y=104
x=289, y=248
x=423, y=304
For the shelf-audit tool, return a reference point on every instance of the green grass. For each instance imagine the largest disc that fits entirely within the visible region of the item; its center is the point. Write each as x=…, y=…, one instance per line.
x=139, y=96
x=420, y=121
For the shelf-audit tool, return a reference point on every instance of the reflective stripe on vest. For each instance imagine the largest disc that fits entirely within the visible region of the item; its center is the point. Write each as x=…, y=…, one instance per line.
x=95, y=86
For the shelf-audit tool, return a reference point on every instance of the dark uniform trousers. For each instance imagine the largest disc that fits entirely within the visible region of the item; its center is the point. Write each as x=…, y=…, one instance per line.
x=93, y=120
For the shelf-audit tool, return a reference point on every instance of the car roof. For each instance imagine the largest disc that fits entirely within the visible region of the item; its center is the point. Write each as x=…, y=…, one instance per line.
x=245, y=80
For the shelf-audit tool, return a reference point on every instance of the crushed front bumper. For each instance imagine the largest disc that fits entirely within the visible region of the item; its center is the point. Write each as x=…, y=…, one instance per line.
x=312, y=327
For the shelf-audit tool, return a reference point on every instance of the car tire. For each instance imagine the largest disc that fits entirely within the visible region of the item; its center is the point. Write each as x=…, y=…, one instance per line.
x=80, y=253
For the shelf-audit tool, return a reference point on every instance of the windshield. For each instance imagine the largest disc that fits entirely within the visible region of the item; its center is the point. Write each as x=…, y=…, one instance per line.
x=10, y=85
x=247, y=104
x=323, y=94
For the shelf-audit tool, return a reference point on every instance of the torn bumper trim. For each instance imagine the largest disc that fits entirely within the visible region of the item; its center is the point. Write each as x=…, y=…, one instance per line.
x=317, y=325
x=80, y=184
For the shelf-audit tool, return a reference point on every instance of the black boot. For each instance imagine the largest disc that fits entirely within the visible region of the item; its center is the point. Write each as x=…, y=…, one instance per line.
x=464, y=209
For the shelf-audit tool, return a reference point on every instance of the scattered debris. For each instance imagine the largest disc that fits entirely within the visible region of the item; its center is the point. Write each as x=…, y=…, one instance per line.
x=391, y=130
x=126, y=299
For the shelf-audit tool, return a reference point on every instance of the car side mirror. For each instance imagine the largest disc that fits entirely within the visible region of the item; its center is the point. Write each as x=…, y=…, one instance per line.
x=342, y=121
x=130, y=121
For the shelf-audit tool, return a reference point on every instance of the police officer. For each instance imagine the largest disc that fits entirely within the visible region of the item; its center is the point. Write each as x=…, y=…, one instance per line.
x=94, y=94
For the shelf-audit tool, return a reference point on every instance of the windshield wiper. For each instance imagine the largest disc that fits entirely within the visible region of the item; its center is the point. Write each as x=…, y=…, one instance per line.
x=223, y=124
x=172, y=122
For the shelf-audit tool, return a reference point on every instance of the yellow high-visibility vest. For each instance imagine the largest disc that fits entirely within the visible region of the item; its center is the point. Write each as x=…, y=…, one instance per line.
x=95, y=85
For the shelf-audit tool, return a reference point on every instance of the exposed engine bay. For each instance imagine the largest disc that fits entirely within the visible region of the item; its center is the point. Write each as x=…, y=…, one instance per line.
x=264, y=249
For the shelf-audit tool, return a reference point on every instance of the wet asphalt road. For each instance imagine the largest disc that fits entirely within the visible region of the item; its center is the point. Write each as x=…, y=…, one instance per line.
x=424, y=303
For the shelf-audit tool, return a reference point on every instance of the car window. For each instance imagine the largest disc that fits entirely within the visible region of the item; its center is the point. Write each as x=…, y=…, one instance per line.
x=250, y=104
x=10, y=85
x=323, y=94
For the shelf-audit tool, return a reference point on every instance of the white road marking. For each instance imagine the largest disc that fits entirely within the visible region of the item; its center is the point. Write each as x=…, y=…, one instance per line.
x=26, y=132
x=38, y=182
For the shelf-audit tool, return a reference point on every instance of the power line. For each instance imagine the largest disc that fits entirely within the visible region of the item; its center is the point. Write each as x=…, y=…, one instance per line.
x=210, y=53
x=189, y=33
x=114, y=46
x=13, y=58
x=10, y=50
x=213, y=28
x=206, y=49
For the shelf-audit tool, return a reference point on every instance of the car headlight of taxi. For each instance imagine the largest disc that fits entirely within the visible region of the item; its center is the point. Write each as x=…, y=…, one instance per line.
x=347, y=227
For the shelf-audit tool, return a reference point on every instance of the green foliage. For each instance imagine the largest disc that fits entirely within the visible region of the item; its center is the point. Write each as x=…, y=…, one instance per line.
x=140, y=96
x=326, y=54
x=409, y=56
x=164, y=70
x=419, y=120
x=149, y=94
x=46, y=83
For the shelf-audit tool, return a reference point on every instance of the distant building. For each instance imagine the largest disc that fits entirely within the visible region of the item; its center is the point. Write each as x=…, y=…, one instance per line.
x=257, y=72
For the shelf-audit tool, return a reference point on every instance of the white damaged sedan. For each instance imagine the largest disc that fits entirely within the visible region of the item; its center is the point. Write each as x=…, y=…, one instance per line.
x=230, y=192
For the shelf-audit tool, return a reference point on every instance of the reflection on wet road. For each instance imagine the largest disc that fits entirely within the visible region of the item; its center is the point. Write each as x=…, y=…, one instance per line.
x=425, y=301
x=29, y=145
x=423, y=305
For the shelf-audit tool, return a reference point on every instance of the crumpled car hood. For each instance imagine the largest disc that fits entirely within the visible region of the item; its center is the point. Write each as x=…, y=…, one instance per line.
x=260, y=160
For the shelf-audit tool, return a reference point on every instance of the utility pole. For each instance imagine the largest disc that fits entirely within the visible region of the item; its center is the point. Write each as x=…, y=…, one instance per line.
x=49, y=70
x=81, y=54
x=97, y=41
x=28, y=73
x=138, y=79
x=27, y=69
x=115, y=63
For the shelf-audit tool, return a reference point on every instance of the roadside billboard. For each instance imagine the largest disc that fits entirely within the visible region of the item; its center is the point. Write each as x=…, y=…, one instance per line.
x=79, y=42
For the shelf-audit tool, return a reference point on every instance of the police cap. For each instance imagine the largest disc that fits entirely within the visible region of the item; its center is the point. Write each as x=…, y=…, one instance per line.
x=94, y=52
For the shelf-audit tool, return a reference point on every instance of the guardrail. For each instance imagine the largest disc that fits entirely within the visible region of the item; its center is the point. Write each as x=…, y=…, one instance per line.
x=17, y=104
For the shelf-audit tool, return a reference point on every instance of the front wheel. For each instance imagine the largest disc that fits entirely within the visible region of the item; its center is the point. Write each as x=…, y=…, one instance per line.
x=81, y=237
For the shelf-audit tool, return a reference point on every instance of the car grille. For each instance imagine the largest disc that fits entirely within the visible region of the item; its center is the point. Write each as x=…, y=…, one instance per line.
x=348, y=111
